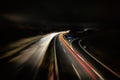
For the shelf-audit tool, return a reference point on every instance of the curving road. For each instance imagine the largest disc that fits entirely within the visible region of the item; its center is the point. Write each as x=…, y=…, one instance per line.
x=50, y=57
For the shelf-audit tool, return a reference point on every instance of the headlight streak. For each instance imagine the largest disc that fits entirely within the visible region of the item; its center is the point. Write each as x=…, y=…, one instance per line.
x=33, y=55
x=36, y=52
x=10, y=53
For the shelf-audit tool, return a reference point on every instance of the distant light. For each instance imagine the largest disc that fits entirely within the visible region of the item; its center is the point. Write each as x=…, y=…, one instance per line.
x=84, y=47
x=69, y=36
x=85, y=29
x=67, y=31
x=80, y=40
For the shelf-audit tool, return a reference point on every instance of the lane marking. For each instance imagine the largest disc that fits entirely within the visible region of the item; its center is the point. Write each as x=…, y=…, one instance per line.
x=91, y=68
x=56, y=64
x=76, y=72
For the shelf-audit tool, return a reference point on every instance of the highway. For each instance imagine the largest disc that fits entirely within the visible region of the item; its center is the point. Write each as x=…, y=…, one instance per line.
x=51, y=57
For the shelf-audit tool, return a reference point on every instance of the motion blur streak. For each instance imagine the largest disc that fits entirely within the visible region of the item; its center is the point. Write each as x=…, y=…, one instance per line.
x=35, y=54
x=76, y=57
x=17, y=46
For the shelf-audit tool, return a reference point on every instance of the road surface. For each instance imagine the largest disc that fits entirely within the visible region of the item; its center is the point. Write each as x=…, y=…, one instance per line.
x=51, y=57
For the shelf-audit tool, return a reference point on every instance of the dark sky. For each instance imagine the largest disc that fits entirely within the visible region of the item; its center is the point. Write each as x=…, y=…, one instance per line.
x=65, y=12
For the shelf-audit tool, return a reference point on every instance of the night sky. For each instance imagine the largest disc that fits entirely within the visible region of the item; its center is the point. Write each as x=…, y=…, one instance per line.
x=60, y=12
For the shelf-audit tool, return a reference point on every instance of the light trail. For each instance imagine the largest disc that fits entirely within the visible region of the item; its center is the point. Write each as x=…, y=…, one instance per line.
x=34, y=55
x=76, y=57
x=91, y=67
x=17, y=46
x=99, y=61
